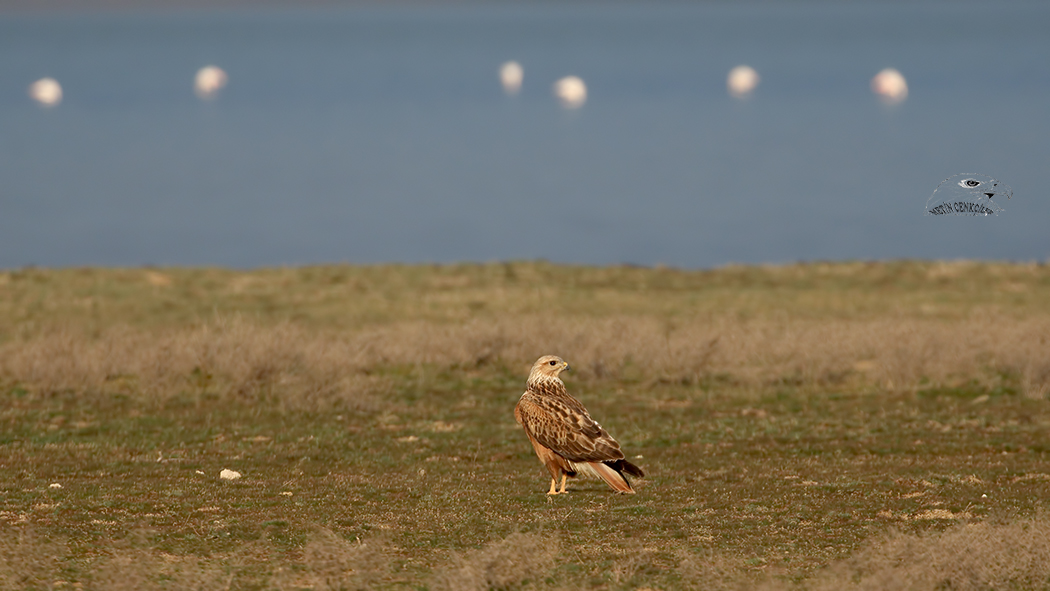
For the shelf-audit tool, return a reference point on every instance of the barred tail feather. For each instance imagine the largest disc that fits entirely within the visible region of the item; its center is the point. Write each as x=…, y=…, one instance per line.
x=609, y=474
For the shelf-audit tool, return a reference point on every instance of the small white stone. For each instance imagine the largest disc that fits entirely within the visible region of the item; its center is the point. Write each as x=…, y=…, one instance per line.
x=55, y=485
x=229, y=475
x=199, y=472
x=286, y=493
x=984, y=496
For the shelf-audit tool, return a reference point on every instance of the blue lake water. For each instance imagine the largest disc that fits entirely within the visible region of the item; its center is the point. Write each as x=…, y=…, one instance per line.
x=379, y=134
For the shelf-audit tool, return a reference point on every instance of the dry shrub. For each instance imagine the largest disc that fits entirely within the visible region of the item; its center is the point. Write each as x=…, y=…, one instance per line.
x=979, y=556
x=28, y=561
x=335, y=564
x=712, y=571
x=892, y=353
x=503, y=564
x=635, y=566
x=300, y=368
x=1035, y=376
x=130, y=569
x=284, y=363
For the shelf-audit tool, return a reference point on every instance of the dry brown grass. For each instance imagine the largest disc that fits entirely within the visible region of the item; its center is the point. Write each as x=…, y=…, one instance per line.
x=312, y=369
x=984, y=556
x=968, y=557
x=331, y=563
x=314, y=332
x=994, y=555
x=134, y=570
x=714, y=571
x=231, y=358
x=509, y=563
x=29, y=561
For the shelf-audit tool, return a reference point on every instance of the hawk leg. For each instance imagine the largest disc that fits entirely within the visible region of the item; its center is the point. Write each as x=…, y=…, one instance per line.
x=554, y=485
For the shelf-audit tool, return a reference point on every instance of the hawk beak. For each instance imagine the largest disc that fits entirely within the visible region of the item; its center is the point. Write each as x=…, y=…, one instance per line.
x=567, y=368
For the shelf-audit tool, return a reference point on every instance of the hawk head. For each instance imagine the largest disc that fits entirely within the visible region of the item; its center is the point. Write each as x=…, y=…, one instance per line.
x=548, y=366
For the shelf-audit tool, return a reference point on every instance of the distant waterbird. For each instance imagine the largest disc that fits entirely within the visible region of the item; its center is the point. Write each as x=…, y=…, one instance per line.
x=511, y=75
x=890, y=86
x=46, y=91
x=571, y=92
x=742, y=80
x=209, y=81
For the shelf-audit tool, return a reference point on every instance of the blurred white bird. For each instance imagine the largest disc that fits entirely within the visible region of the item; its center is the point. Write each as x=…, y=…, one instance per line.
x=510, y=76
x=890, y=86
x=571, y=91
x=46, y=91
x=209, y=81
x=742, y=80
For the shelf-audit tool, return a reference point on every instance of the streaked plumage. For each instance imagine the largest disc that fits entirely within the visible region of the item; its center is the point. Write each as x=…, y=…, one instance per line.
x=566, y=439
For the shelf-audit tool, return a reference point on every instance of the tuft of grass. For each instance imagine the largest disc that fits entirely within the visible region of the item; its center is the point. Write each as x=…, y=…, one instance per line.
x=969, y=557
x=508, y=563
x=131, y=570
x=714, y=571
x=331, y=563
x=28, y=560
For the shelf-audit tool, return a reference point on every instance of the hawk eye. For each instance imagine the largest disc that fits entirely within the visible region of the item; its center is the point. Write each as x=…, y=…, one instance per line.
x=554, y=362
x=971, y=183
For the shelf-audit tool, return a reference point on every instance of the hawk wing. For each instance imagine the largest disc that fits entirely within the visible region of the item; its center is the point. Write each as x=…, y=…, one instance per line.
x=564, y=427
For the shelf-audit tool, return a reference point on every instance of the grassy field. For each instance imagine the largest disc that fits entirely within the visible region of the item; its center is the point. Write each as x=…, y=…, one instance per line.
x=814, y=426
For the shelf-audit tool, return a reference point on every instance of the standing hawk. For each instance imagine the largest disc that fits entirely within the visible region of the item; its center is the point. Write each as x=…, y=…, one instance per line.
x=567, y=440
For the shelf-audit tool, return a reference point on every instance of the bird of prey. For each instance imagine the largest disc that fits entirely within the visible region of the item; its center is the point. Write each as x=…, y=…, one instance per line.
x=566, y=439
